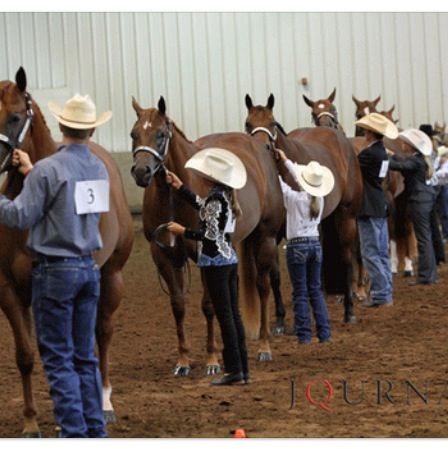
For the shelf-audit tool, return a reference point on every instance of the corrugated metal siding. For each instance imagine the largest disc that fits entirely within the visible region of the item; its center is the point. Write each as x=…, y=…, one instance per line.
x=204, y=64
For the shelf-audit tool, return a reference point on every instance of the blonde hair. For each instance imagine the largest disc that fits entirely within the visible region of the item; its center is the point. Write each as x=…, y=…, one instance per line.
x=314, y=207
x=236, y=208
x=429, y=167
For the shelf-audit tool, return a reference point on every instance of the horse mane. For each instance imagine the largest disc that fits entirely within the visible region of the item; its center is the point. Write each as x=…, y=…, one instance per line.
x=280, y=127
x=38, y=112
x=181, y=132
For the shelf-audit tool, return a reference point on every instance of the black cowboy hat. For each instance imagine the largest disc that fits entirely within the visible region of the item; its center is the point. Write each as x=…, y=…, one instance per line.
x=427, y=129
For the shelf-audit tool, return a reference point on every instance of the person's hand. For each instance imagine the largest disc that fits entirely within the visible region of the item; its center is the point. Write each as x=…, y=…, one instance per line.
x=173, y=180
x=22, y=160
x=280, y=155
x=175, y=228
x=389, y=152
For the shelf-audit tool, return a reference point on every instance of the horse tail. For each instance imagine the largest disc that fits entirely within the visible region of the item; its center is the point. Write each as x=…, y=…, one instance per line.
x=249, y=299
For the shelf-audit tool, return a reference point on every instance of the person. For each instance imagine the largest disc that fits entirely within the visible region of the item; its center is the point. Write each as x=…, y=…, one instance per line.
x=417, y=171
x=304, y=187
x=437, y=239
x=441, y=174
x=60, y=203
x=223, y=172
x=372, y=218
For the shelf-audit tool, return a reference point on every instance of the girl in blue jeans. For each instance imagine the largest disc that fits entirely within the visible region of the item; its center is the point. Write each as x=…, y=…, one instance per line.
x=304, y=187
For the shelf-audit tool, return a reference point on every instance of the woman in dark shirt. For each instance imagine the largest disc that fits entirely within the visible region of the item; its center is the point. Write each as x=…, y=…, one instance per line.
x=417, y=170
x=224, y=172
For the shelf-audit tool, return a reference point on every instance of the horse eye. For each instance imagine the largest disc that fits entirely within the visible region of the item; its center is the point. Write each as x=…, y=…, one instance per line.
x=14, y=118
x=248, y=126
x=133, y=134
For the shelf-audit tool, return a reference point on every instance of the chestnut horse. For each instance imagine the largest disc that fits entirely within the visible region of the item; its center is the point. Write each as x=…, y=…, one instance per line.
x=15, y=260
x=332, y=149
x=158, y=144
x=364, y=107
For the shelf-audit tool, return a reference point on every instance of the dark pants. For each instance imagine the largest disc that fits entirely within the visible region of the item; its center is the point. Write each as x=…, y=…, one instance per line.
x=304, y=266
x=222, y=284
x=443, y=210
x=437, y=240
x=421, y=219
x=65, y=298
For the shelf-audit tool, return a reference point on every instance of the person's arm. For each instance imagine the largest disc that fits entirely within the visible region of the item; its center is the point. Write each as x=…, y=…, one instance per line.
x=29, y=206
x=404, y=165
x=190, y=197
x=287, y=173
x=365, y=159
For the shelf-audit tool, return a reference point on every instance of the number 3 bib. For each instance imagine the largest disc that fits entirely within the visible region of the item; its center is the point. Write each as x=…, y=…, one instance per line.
x=92, y=197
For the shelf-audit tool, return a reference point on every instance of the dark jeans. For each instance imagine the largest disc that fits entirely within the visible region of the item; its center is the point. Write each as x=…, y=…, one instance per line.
x=222, y=284
x=421, y=219
x=304, y=265
x=65, y=298
x=443, y=210
x=437, y=240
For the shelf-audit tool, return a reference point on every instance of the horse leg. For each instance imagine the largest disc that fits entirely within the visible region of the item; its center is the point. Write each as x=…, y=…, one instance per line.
x=20, y=321
x=213, y=366
x=280, y=313
x=359, y=282
x=112, y=292
x=264, y=249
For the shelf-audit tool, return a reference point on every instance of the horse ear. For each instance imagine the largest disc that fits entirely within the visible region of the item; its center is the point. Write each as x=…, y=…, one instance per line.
x=308, y=101
x=355, y=100
x=270, y=103
x=391, y=109
x=161, y=105
x=248, y=101
x=21, y=79
x=396, y=121
x=377, y=100
x=332, y=96
x=137, y=108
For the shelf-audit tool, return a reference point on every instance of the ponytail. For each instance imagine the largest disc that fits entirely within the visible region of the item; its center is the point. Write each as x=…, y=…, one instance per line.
x=236, y=208
x=429, y=167
x=314, y=207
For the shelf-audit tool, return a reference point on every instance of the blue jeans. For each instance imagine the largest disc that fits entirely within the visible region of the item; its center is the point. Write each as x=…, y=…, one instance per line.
x=304, y=265
x=65, y=298
x=374, y=239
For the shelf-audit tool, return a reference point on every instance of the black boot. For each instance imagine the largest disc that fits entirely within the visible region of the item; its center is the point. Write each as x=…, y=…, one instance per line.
x=228, y=379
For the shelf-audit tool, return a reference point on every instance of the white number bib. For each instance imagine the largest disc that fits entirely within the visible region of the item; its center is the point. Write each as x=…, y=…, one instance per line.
x=383, y=169
x=92, y=197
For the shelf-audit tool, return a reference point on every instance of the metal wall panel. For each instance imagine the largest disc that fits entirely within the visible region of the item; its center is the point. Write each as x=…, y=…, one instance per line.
x=205, y=63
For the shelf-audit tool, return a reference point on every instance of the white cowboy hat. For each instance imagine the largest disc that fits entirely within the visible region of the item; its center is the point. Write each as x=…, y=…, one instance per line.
x=219, y=165
x=442, y=151
x=379, y=124
x=417, y=139
x=79, y=113
x=314, y=178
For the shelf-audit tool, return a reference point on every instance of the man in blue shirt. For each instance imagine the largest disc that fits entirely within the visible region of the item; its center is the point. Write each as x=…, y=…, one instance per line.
x=60, y=203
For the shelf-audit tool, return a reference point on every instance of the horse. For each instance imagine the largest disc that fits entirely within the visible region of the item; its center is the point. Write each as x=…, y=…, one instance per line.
x=22, y=122
x=324, y=112
x=364, y=107
x=158, y=144
x=389, y=114
x=332, y=149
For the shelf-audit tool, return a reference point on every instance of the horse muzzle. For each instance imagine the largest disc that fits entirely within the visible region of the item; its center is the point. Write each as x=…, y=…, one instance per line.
x=141, y=175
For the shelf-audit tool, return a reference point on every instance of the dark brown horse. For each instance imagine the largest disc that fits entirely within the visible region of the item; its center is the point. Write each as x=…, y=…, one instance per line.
x=332, y=149
x=158, y=144
x=324, y=112
x=364, y=107
x=15, y=261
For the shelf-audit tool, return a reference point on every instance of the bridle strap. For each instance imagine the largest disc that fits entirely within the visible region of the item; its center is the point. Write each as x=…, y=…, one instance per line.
x=272, y=137
x=329, y=114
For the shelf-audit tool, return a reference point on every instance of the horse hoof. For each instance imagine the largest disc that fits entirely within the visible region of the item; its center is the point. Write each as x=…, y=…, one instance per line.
x=182, y=371
x=279, y=330
x=350, y=319
x=213, y=369
x=32, y=435
x=264, y=357
x=109, y=416
x=408, y=274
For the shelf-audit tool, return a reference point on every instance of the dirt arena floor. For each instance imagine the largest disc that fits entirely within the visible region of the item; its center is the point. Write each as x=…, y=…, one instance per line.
x=391, y=349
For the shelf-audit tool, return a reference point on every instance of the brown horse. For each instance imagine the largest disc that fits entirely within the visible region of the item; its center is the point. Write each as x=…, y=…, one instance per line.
x=324, y=112
x=389, y=114
x=364, y=107
x=332, y=149
x=158, y=144
x=15, y=261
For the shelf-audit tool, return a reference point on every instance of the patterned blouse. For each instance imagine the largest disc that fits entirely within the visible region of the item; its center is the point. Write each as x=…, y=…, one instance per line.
x=217, y=222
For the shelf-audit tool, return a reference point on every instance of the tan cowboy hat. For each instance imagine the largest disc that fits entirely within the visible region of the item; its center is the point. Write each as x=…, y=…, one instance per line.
x=442, y=151
x=379, y=124
x=314, y=178
x=417, y=139
x=219, y=165
x=79, y=113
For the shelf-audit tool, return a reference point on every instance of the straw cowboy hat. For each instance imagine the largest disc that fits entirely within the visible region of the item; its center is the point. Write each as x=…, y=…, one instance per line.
x=442, y=151
x=314, y=178
x=417, y=139
x=379, y=124
x=219, y=165
x=79, y=113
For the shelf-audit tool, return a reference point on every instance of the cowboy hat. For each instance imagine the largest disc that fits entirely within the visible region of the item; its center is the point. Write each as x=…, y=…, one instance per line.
x=378, y=124
x=417, y=139
x=427, y=129
x=219, y=165
x=314, y=178
x=442, y=151
x=79, y=113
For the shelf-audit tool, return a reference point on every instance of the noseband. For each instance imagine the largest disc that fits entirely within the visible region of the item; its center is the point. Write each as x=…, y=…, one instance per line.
x=272, y=137
x=11, y=144
x=333, y=118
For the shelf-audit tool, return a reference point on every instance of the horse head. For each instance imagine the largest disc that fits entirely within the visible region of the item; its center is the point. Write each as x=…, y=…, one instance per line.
x=388, y=114
x=365, y=107
x=323, y=112
x=151, y=136
x=16, y=114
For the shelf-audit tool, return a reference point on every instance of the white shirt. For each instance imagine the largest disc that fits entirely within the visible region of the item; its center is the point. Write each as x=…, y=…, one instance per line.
x=297, y=204
x=442, y=174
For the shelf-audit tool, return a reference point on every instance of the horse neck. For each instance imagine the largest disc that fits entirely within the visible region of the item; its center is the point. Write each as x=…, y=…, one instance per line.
x=291, y=148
